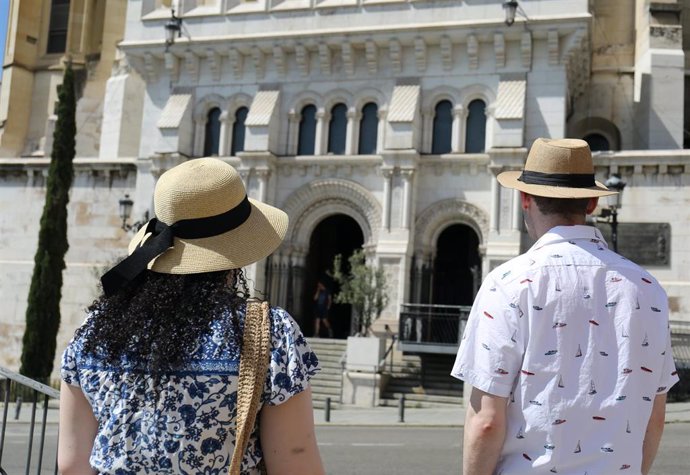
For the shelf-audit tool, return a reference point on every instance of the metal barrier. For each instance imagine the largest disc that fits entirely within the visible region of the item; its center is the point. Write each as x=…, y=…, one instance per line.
x=438, y=327
x=17, y=384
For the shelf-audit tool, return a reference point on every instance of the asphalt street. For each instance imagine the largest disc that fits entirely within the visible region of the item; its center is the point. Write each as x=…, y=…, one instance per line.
x=350, y=450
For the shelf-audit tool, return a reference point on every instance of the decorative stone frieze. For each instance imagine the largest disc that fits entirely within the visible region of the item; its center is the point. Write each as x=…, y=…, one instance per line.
x=150, y=67
x=172, y=66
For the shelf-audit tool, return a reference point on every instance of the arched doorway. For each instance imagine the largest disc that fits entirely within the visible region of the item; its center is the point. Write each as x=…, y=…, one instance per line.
x=456, y=267
x=337, y=234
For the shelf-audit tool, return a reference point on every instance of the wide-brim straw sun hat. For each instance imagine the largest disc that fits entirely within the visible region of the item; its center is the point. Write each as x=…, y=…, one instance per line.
x=557, y=168
x=204, y=223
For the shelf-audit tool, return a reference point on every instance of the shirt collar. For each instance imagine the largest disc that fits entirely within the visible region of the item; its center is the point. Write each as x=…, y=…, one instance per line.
x=569, y=233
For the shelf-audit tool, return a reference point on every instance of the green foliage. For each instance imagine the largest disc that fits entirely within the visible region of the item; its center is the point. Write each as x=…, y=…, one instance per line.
x=43, y=310
x=364, y=287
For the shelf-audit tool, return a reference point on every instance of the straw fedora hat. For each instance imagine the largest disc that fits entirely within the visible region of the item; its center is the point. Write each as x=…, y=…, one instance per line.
x=204, y=222
x=557, y=168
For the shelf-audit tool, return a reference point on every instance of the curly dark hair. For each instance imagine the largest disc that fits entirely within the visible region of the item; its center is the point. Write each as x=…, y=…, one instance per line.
x=160, y=317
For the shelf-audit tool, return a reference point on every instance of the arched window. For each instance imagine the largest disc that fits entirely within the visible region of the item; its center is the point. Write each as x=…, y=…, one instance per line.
x=443, y=128
x=307, y=131
x=368, y=129
x=597, y=143
x=337, y=129
x=475, y=133
x=238, y=130
x=212, y=136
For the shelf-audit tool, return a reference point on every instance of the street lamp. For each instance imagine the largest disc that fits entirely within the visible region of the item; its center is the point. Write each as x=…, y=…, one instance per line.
x=614, y=183
x=125, y=207
x=511, y=10
x=173, y=28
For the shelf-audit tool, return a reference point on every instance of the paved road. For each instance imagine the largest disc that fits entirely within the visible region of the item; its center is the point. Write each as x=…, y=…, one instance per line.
x=374, y=450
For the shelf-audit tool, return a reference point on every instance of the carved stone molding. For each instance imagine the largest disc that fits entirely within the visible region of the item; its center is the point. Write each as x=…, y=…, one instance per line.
x=500, y=50
x=420, y=54
x=191, y=62
x=371, y=52
x=302, y=58
x=279, y=60
x=307, y=203
x=552, y=45
x=441, y=214
x=395, y=54
x=150, y=67
x=526, y=49
x=259, y=62
x=325, y=58
x=236, y=62
x=348, y=58
x=473, y=52
x=446, y=53
x=214, y=63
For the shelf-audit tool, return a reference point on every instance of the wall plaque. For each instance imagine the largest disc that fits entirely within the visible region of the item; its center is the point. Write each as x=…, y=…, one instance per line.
x=646, y=244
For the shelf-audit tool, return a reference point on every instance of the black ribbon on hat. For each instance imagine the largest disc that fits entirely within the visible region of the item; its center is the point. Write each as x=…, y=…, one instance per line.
x=570, y=180
x=163, y=238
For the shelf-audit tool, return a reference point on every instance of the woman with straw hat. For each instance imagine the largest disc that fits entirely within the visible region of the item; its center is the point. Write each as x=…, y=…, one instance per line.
x=153, y=381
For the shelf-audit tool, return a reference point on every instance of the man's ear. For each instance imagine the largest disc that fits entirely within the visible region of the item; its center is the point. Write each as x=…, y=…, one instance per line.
x=591, y=206
x=525, y=200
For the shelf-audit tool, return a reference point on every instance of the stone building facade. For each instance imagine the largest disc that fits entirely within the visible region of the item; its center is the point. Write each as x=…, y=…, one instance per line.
x=373, y=123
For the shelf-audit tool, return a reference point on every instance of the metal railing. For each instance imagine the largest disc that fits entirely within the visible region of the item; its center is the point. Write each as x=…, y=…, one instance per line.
x=437, y=325
x=19, y=386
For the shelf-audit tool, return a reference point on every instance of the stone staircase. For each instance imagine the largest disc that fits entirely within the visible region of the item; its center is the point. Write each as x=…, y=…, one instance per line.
x=432, y=388
x=328, y=381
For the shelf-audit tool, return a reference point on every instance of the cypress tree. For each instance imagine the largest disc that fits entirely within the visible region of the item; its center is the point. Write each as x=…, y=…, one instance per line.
x=43, y=310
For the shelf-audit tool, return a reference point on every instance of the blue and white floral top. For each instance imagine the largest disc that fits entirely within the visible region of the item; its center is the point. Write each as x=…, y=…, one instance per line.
x=187, y=425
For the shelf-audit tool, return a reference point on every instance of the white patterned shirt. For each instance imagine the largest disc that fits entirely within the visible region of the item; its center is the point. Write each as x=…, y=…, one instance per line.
x=578, y=338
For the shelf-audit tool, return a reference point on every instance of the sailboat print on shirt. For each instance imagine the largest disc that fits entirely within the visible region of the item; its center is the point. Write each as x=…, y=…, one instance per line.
x=627, y=427
x=637, y=304
x=624, y=333
x=577, y=448
x=579, y=352
x=560, y=381
x=520, y=434
x=514, y=337
x=645, y=342
x=586, y=293
x=592, y=388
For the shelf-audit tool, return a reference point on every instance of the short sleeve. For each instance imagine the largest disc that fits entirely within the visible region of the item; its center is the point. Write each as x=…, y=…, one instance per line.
x=669, y=375
x=293, y=363
x=68, y=366
x=491, y=349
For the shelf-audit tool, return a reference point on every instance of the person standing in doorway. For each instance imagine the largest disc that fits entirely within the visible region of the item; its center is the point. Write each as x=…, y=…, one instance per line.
x=322, y=307
x=567, y=346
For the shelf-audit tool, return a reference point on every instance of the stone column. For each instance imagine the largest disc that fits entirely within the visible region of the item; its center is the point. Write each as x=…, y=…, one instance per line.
x=495, y=204
x=352, y=134
x=381, y=131
x=407, y=177
x=226, y=123
x=294, y=118
x=427, y=129
x=322, y=118
x=457, y=142
x=199, y=134
x=517, y=211
x=386, y=208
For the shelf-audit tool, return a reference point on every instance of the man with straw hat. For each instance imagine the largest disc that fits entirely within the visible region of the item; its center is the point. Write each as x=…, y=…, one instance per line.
x=167, y=373
x=567, y=346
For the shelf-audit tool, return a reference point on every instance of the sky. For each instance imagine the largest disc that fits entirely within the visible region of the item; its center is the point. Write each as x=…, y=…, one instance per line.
x=4, y=11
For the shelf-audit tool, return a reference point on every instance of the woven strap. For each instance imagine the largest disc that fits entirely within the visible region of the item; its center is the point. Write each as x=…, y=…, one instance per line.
x=254, y=360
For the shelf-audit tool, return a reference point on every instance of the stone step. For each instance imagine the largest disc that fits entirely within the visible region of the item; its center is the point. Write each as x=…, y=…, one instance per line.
x=421, y=400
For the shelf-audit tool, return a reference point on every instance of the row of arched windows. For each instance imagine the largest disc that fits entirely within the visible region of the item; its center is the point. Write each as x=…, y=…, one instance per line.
x=441, y=139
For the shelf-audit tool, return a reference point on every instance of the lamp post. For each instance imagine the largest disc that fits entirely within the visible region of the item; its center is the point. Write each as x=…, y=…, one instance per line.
x=173, y=29
x=614, y=183
x=125, y=209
